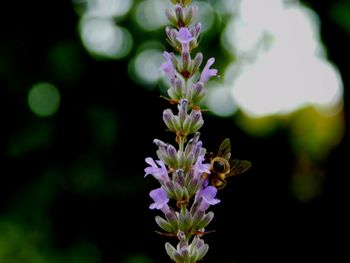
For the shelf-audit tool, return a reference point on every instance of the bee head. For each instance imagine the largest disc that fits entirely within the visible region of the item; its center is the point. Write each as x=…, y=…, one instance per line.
x=220, y=165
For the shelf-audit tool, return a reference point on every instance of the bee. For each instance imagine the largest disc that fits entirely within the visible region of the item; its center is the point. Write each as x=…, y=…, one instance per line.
x=223, y=167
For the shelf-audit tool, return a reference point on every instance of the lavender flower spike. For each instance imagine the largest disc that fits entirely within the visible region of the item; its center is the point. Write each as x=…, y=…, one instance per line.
x=183, y=170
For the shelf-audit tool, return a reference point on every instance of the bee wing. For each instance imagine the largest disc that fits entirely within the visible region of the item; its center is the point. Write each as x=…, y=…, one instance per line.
x=238, y=167
x=225, y=149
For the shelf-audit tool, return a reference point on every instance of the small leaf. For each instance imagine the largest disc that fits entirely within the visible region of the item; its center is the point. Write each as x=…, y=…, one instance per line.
x=178, y=192
x=202, y=251
x=187, y=220
x=205, y=220
x=163, y=224
x=197, y=218
x=170, y=250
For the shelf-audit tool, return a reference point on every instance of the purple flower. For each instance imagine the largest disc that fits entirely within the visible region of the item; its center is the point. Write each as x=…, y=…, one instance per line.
x=207, y=72
x=159, y=197
x=160, y=173
x=200, y=167
x=185, y=37
x=206, y=197
x=168, y=66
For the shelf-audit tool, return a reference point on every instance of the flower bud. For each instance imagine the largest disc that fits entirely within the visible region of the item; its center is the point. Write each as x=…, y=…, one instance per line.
x=185, y=220
x=179, y=14
x=172, y=219
x=178, y=191
x=170, y=250
x=176, y=123
x=202, y=251
x=186, y=194
x=193, y=186
x=191, y=13
x=197, y=61
x=162, y=155
x=184, y=254
x=188, y=220
x=168, y=118
x=175, y=91
x=169, y=189
x=188, y=161
x=193, y=122
x=178, y=177
x=198, y=93
x=182, y=110
x=171, y=16
x=196, y=30
x=196, y=120
x=182, y=237
x=199, y=150
x=160, y=143
x=205, y=220
x=172, y=35
x=172, y=93
x=197, y=217
x=172, y=153
x=187, y=125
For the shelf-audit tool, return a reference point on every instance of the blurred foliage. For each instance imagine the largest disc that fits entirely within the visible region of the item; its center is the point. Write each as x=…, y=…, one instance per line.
x=340, y=13
x=37, y=136
x=312, y=137
x=20, y=243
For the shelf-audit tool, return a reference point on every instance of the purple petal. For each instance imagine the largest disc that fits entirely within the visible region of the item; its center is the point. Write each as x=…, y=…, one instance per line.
x=184, y=35
x=166, y=55
x=207, y=73
x=159, y=197
x=150, y=161
x=209, y=194
x=160, y=173
x=200, y=167
x=168, y=66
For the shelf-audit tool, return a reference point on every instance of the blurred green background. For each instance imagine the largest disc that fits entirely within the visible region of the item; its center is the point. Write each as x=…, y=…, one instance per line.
x=80, y=107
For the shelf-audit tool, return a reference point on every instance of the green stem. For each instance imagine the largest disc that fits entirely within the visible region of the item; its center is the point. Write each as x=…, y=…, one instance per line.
x=181, y=144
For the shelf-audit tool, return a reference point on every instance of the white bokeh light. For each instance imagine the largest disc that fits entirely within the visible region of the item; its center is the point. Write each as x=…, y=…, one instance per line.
x=149, y=15
x=102, y=37
x=108, y=8
x=219, y=100
x=205, y=16
x=145, y=67
x=226, y=7
x=280, y=61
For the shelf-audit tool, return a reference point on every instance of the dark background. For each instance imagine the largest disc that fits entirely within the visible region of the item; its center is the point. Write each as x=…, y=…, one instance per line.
x=72, y=187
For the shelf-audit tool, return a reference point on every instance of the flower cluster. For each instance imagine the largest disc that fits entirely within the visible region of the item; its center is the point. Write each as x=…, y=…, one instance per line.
x=184, y=195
